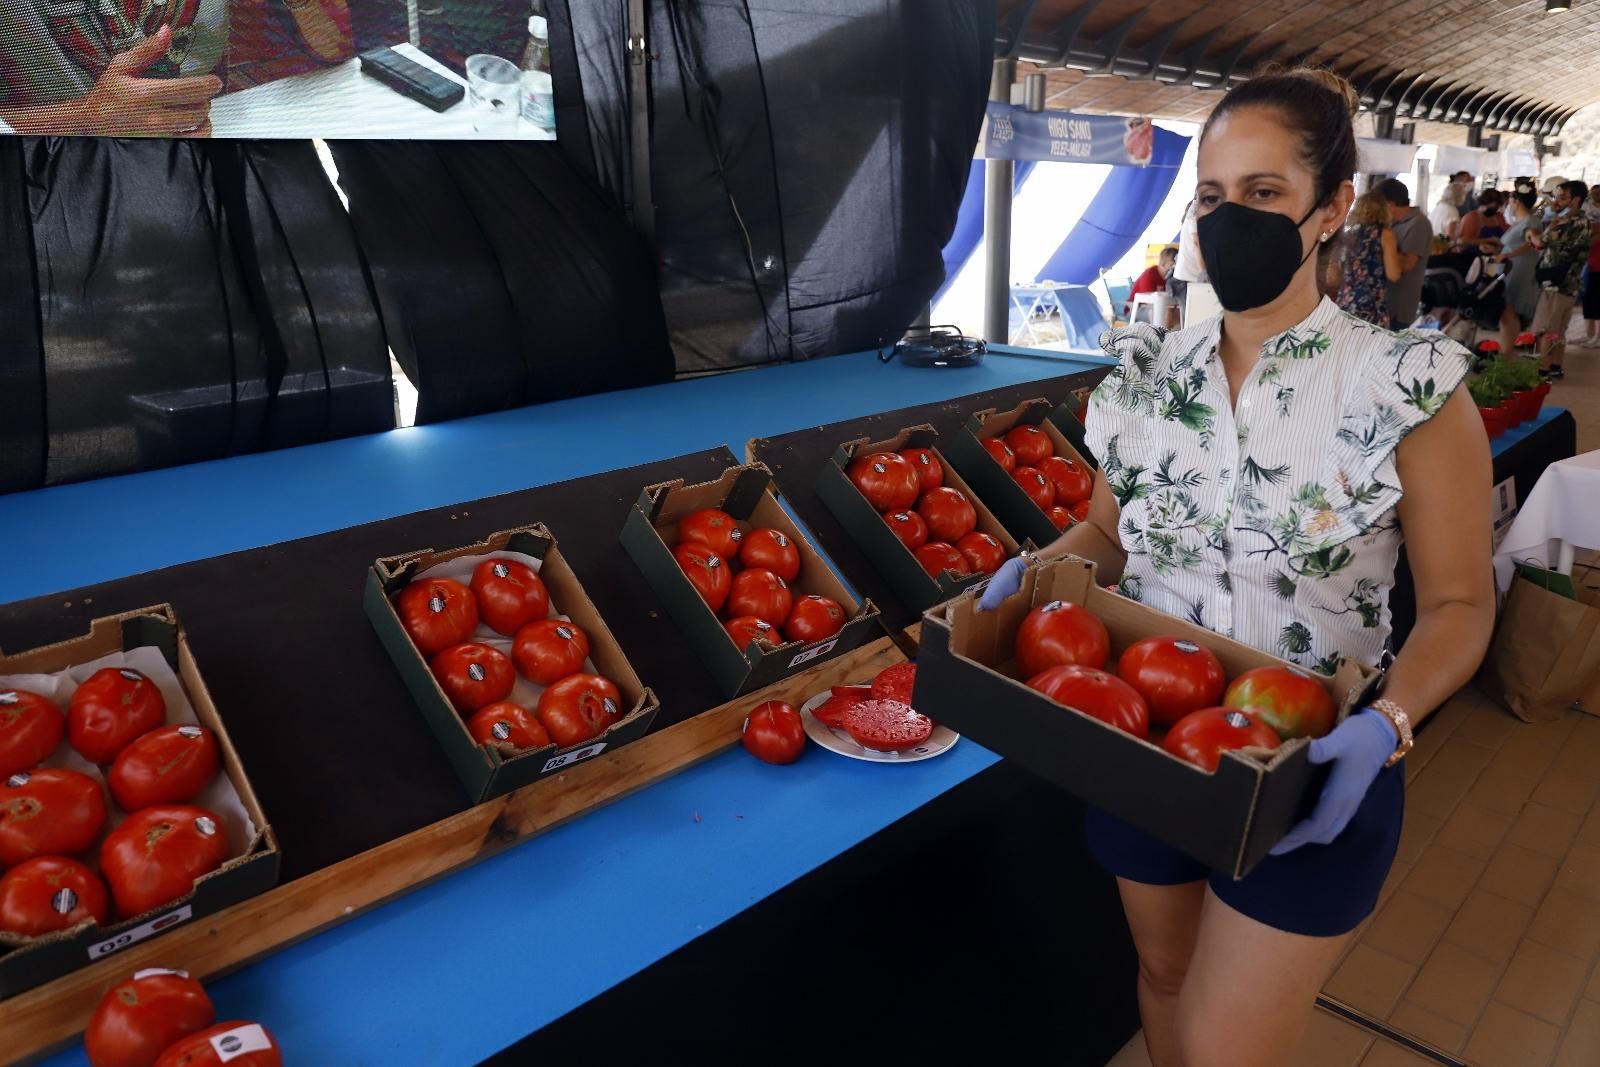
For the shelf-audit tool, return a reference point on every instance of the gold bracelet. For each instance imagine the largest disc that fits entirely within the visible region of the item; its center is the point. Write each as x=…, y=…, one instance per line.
x=1402, y=727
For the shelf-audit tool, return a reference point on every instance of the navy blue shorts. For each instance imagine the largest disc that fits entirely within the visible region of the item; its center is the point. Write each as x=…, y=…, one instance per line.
x=1316, y=890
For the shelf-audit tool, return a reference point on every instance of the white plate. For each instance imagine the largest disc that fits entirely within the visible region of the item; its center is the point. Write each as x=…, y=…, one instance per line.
x=942, y=739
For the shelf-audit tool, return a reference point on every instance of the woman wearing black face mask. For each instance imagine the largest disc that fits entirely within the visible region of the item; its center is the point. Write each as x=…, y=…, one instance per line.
x=1257, y=470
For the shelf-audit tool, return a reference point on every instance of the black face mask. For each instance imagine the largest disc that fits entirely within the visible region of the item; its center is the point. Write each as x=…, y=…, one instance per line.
x=1251, y=256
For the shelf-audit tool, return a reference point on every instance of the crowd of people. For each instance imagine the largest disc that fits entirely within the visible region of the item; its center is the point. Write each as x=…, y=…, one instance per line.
x=1542, y=242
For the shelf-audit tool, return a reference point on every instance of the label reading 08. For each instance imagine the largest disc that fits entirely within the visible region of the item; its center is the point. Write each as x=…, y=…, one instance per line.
x=568, y=759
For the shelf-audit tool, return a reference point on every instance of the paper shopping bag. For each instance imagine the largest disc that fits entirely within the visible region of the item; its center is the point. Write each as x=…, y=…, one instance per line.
x=1545, y=656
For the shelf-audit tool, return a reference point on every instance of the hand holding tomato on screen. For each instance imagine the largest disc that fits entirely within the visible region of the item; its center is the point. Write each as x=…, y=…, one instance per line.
x=125, y=102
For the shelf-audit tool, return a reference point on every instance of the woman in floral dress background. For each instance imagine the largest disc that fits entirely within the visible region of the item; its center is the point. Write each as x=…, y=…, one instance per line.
x=1371, y=257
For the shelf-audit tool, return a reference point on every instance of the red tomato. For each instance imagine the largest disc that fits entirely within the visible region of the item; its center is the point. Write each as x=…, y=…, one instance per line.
x=1174, y=676
x=833, y=711
x=984, y=552
x=909, y=527
x=949, y=514
x=508, y=724
x=1030, y=444
x=31, y=726
x=937, y=557
x=813, y=618
x=437, y=613
x=707, y=572
x=155, y=856
x=1201, y=737
x=1059, y=517
x=762, y=594
x=1097, y=694
x=1059, y=634
x=774, y=734
x=887, y=480
x=579, y=707
x=771, y=550
x=930, y=472
x=1002, y=453
x=1288, y=700
x=50, y=893
x=166, y=766
x=510, y=595
x=713, y=528
x=473, y=675
x=49, y=812
x=1079, y=511
x=887, y=726
x=747, y=628
x=550, y=649
x=142, y=1016
x=1071, y=479
x=895, y=683
x=235, y=1044
x=111, y=709
x=1036, y=485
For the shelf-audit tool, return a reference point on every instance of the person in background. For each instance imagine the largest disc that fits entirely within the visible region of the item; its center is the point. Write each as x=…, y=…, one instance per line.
x=1485, y=225
x=1550, y=190
x=1522, y=287
x=1446, y=214
x=1564, y=247
x=1591, y=290
x=1414, y=238
x=1464, y=179
x=1371, y=261
x=1154, y=279
x=1591, y=206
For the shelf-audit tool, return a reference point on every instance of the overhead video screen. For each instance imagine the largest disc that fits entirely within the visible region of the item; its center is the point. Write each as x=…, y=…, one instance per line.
x=410, y=69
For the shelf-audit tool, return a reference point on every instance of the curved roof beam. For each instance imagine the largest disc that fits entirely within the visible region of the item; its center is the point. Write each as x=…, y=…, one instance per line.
x=1408, y=95
x=1380, y=96
x=1451, y=102
x=1470, y=109
x=1487, y=109
x=1499, y=116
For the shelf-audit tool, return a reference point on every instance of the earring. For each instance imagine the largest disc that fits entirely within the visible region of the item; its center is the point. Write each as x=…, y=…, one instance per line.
x=1325, y=237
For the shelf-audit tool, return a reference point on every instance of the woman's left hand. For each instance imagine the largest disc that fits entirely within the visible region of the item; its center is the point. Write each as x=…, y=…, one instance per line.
x=1358, y=748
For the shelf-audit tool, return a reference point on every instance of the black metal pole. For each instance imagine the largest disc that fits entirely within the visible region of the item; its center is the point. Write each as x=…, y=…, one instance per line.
x=998, y=175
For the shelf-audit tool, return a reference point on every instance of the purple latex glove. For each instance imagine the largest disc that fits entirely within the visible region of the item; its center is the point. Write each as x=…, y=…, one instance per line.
x=1358, y=748
x=1006, y=582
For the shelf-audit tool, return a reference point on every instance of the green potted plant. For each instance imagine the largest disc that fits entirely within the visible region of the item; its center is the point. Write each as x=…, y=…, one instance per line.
x=1521, y=378
x=1489, y=395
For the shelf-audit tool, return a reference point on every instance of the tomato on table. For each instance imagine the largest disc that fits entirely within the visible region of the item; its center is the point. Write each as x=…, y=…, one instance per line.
x=166, y=766
x=774, y=733
x=908, y=527
x=142, y=1016
x=713, y=528
x=229, y=1044
x=930, y=472
x=887, y=726
x=1002, y=453
x=1059, y=517
x=579, y=707
x=1288, y=700
x=550, y=649
x=50, y=893
x=1037, y=486
x=984, y=552
x=937, y=557
x=473, y=675
x=813, y=618
x=1079, y=511
x=1175, y=676
x=437, y=613
x=886, y=479
x=1030, y=444
x=1201, y=737
x=155, y=856
x=31, y=727
x=771, y=550
x=49, y=812
x=1060, y=634
x=508, y=724
x=949, y=514
x=110, y=709
x=510, y=595
x=1097, y=694
x=707, y=571
x=762, y=594
x=747, y=629
x=1071, y=479
x=895, y=683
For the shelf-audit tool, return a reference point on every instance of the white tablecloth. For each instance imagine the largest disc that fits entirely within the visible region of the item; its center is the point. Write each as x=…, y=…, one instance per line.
x=342, y=102
x=1564, y=505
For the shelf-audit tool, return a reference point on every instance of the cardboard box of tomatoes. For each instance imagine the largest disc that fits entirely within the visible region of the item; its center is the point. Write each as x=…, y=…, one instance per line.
x=755, y=598
x=914, y=516
x=124, y=809
x=1145, y=738
x=511, y=664
x=1027, y=464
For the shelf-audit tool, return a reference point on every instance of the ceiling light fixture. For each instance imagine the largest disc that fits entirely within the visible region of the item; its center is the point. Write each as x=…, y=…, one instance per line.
x=1552, y=6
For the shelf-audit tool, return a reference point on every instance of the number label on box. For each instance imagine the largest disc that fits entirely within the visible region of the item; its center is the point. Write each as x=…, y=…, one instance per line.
x=572, y=757
x=812, y=653
x=139, y=933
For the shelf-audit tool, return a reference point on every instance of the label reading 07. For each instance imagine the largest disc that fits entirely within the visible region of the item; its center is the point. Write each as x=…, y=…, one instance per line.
x=812, y=653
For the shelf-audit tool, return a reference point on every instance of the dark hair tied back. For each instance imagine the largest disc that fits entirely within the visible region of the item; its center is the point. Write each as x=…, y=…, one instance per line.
x=1318, y=106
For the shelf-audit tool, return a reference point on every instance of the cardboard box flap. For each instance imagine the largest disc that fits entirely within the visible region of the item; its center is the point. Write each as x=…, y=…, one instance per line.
x=395, y=572
x=922, y=435
x=1065, y=419
x=992, y=422
x=737, y=491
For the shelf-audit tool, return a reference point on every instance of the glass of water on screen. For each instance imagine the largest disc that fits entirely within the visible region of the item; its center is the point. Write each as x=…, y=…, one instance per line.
x=494, y=92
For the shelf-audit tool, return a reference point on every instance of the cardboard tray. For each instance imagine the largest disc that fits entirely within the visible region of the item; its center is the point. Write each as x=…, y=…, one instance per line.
x=489, y=771
x=1013, y=506
x=749, y=494
x=872, y=535
x=43, y=959
x=1228, y=820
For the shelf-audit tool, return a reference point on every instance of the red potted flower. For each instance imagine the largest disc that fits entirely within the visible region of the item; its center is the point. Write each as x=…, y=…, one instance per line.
x=1526, y=341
